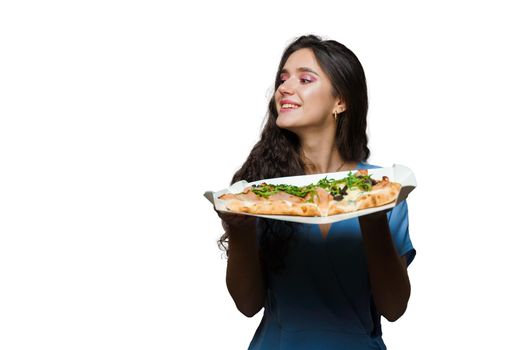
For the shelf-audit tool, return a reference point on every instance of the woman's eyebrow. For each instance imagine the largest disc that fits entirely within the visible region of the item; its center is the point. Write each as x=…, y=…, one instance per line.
x=301, y=69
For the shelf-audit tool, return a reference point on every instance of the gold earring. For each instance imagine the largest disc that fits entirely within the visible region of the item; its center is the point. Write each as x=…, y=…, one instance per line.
x=335, y=116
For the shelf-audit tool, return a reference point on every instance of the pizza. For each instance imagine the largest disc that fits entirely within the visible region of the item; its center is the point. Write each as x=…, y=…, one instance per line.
x=357, y=191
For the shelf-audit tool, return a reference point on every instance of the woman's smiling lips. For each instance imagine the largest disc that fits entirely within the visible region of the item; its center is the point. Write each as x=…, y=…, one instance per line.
x=285, y=110
x=288, y=109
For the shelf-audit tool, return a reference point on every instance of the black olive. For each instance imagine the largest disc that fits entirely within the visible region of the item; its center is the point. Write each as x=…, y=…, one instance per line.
x=338, y=197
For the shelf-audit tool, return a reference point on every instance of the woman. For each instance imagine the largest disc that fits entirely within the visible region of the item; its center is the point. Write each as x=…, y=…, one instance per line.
x=321, y=286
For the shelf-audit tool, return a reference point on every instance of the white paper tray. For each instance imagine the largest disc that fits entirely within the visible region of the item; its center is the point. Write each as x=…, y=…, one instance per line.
x=397, y=173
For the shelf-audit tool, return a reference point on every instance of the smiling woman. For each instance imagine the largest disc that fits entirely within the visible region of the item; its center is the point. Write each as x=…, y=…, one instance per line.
x=321, y=287
x=309, y=92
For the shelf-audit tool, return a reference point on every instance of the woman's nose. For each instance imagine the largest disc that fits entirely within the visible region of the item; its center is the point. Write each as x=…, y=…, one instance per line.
x=287, y=87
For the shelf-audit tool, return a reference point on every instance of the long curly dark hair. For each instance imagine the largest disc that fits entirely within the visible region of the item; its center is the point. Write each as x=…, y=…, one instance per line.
x=278, y=152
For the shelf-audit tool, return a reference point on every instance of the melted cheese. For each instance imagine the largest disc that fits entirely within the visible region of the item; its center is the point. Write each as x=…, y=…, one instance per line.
x=354, y=193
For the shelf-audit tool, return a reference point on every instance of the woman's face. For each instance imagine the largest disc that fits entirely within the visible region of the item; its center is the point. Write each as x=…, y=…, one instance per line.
x=304, y=83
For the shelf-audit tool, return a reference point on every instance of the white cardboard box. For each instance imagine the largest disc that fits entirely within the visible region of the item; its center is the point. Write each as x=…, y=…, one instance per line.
x=396, y=173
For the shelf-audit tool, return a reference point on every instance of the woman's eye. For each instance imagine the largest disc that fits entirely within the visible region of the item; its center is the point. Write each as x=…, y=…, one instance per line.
x=302, y=80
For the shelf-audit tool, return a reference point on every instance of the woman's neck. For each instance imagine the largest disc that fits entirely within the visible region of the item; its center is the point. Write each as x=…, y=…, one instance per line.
x=321, y=156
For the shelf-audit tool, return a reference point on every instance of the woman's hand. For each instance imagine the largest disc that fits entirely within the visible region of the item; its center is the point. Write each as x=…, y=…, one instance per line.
x=233, y=223
x=374, y=217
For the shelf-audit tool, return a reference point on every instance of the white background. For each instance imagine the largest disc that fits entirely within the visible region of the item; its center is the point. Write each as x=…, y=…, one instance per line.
x=117, y=116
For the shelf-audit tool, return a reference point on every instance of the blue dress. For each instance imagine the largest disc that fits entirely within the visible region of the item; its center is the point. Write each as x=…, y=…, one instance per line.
x=322, y=299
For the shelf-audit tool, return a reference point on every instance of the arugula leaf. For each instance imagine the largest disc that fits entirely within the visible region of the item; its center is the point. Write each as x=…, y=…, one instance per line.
x=363, y=182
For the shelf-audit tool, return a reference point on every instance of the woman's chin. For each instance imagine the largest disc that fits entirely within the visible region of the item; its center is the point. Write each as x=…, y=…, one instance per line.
x=285, y=123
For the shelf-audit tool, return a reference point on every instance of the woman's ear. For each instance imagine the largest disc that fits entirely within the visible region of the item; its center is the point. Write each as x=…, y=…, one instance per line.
x=340, y=106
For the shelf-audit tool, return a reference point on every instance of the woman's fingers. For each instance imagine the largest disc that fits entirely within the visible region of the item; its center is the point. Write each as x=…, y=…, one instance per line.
x=228, y=216
x=232, y=220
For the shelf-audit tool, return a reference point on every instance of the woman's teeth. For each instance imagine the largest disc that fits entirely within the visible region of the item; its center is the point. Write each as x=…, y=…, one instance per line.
x=287, y=105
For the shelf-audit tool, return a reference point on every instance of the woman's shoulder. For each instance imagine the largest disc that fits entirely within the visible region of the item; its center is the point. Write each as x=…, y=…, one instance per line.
x=364, y=165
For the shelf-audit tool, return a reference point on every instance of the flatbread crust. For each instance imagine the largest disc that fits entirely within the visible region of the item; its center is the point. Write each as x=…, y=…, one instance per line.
x=380, y=195
x=281, y=207
x=324, y=204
